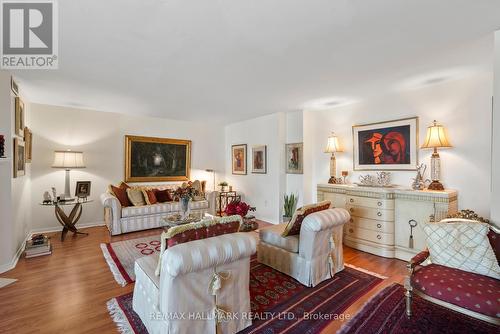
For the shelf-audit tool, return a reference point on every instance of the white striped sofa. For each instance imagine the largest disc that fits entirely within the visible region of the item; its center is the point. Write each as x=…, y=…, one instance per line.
x=121, y=220
x=311, y=257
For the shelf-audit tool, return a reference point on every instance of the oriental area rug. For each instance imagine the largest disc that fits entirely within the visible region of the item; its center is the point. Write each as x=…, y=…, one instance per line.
x=277, y=293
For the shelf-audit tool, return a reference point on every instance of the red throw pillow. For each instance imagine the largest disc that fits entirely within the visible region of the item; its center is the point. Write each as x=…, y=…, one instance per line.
x=163, y=196
x=203, y=233
x=149, y=196
x=121, y=193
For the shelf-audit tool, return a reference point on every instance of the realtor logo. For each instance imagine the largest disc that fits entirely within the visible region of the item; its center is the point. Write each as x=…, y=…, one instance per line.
x=29, y=34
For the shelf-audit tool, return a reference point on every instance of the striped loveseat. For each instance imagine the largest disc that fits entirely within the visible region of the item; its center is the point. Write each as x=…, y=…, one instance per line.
x=121, y=220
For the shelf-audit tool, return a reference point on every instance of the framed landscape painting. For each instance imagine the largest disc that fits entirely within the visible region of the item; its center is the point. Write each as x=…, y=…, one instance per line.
x=391, y=145
x=259, y=157
x=239, y=159
x=294, y=158
x=149, y=159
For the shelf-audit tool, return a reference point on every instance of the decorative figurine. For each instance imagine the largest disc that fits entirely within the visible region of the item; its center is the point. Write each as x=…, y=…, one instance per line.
x=47, y=199
x=418, y=182
x=54, y=194
x=383, y=179
x=2, y=146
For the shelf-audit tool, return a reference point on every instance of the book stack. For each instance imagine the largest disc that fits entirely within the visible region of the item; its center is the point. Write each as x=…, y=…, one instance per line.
x=39, y=245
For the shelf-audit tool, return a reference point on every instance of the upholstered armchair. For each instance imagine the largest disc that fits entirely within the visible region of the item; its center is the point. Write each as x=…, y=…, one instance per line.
x=311, y=256
x=200, y=283
x=477, y=295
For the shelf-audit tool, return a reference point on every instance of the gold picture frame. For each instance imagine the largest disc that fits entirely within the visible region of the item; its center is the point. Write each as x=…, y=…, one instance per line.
x=19, y=119
x=19, y=158
x=28, y=142
x=239, y=159
x=151, y=159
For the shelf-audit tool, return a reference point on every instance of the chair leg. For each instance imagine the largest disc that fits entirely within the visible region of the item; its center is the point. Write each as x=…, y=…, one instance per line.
x=409, y=291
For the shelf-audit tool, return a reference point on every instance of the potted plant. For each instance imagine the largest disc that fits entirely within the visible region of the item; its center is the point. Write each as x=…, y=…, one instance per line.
x=223, y=186
x=290, y=202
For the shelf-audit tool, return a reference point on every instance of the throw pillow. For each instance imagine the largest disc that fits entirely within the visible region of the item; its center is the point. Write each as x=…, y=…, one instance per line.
x=293, y=226
x=203, y=229
x=149, y=196
x=462, y=245
x=163, y=196
x=120, y=193
x=135, y=196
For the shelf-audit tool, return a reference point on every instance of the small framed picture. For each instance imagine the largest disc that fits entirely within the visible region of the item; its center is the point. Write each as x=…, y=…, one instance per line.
x=259, y=157
x=28, y=141
x=19, y=158
x=82, y=189
x=19, y=117
x=14, y=87
x=294, y=158
x=239, y=159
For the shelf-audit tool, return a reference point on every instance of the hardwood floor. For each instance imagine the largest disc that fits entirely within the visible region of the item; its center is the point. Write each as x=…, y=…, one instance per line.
x=67, y=291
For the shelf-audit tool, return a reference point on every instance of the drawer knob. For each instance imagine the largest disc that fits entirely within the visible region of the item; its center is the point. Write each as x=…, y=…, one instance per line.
x=351, y=230
x=379, y=236
x=351, y=209
x=379, y=214
x=379, y=225
x=379, y=203
x=351, y=220
x=351, y=200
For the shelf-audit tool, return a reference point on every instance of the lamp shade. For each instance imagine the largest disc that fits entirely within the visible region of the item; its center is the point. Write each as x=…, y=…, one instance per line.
x=436, y=137
x=333, y=144
x=68, y=159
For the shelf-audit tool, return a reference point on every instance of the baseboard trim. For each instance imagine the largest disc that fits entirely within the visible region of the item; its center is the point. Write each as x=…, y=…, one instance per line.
x=12, y=264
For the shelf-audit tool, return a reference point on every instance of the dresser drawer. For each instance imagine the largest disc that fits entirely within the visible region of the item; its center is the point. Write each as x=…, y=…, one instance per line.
x=361, y=233
x=372, y=224
x=370, y=202
x=370, y=213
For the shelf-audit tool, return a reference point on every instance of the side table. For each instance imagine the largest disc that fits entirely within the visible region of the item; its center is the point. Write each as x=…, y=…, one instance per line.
x=223, y=199
x=68, y=222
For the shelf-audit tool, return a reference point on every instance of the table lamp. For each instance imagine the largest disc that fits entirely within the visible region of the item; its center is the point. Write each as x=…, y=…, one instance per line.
x=436, y=138
x=68, y=160
x=332, y=147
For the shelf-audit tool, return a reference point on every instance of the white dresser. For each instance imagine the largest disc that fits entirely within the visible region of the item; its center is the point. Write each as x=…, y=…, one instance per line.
x=380, y=216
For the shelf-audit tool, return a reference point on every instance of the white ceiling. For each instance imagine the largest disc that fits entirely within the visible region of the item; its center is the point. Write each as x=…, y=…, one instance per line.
x=229, y=60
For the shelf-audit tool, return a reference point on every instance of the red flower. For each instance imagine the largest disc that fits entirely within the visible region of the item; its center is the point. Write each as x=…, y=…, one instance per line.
x=237, y=208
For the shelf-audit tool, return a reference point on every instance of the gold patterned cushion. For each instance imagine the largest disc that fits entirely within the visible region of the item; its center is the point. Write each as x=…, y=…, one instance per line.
x=294, y=225
x=462, y=245
x=135, y=196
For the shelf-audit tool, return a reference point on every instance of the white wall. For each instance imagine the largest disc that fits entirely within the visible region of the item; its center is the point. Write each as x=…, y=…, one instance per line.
x=15, y=199
x=294, y=130
x=264, y=191
x=100, y=136
x=495, y=195
x=462, y=105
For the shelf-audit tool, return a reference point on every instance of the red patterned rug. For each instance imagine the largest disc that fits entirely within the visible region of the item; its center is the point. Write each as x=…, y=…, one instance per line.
x=307, y=310
x=386, y=313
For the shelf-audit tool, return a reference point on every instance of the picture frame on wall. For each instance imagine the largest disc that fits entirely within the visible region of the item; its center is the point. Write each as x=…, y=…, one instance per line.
x=294, y=158
x=19, y=158
x=259, y=159
x=151, y=159
x=239, y=159
x=28, y=143
x=82, y=189
x=13, y=86
x=19, y=117
x=389, y=145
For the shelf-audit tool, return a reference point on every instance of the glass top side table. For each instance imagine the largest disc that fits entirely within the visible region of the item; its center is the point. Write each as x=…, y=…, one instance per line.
x=68, y=222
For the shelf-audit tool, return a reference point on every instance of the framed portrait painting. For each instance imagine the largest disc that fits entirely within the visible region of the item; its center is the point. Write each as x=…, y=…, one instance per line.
x=239, y=159
x=391, y=145
x=19, y=158
x=294, y=158
x=19, y=119
x=259, y=159
x=150, y=159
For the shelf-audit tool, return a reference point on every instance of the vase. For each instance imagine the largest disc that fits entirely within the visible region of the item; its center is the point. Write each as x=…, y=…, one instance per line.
x=185, y=206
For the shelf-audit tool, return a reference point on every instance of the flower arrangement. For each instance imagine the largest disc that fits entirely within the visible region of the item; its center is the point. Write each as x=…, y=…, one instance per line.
x=185, y=193
x=238, y=208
